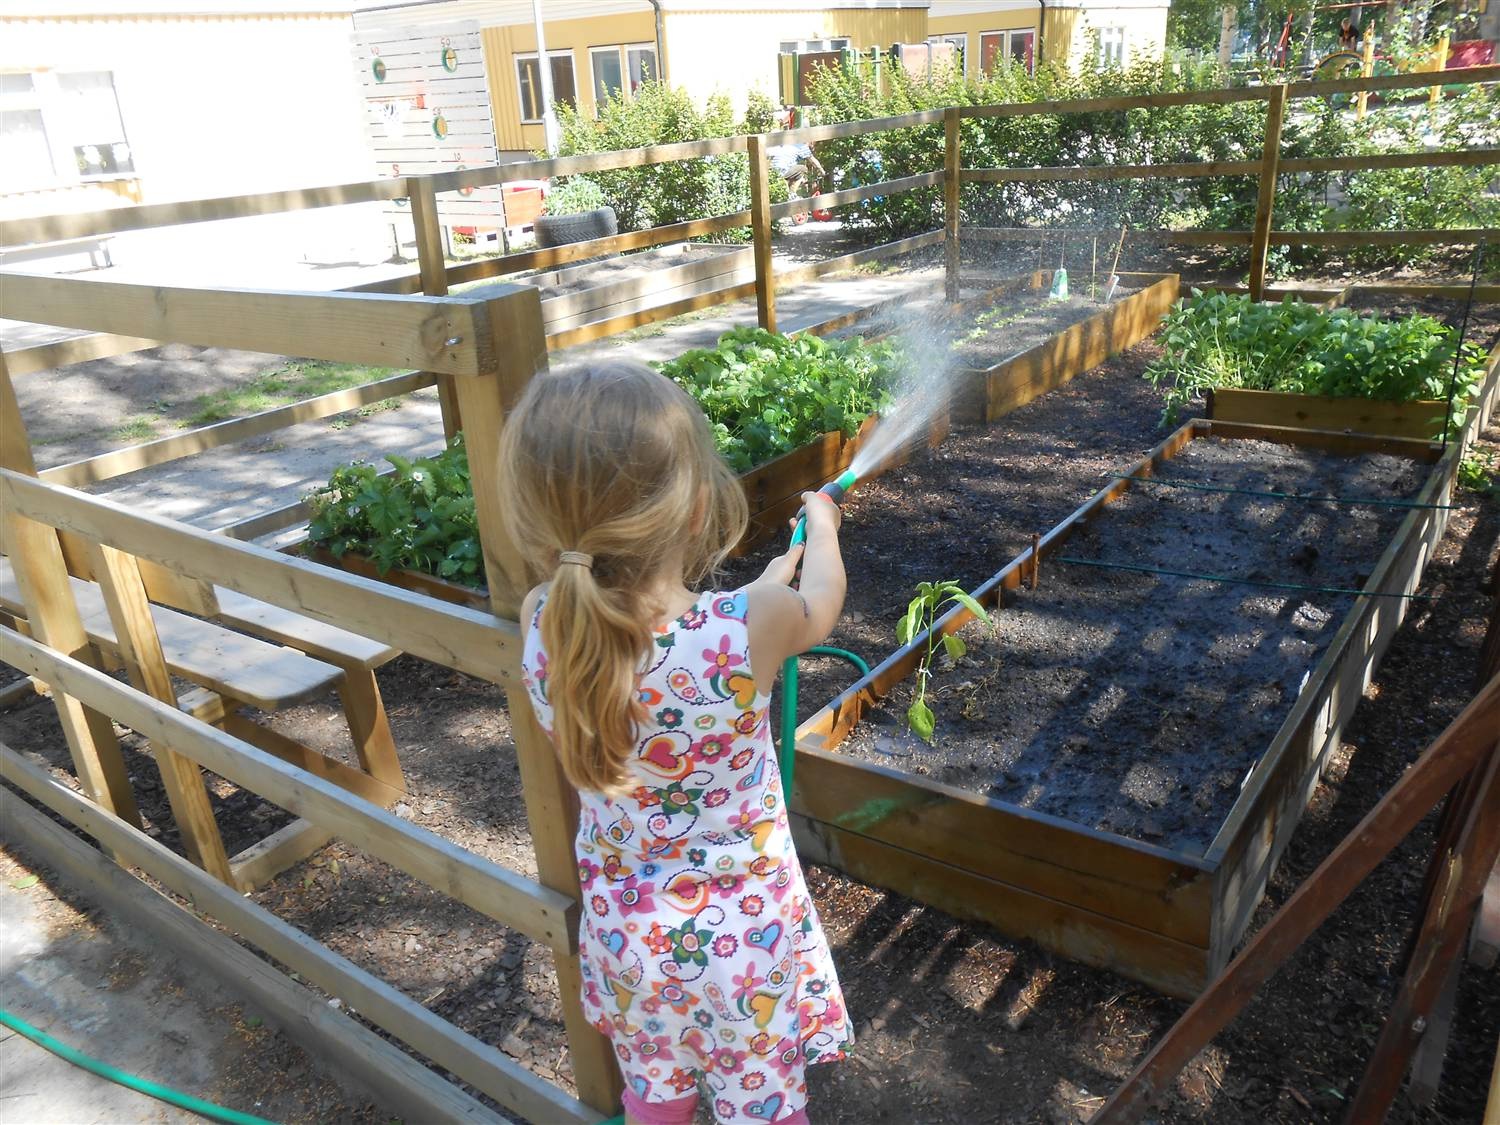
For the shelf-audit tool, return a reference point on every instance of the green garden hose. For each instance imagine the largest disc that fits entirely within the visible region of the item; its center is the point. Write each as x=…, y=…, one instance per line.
x=787, y=752
x=129, y=1081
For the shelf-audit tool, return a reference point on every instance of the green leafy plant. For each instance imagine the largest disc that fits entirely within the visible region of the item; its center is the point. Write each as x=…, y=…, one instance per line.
x=766, y=394
x=421, y=517
x=917, y=621
x=574, y=196
x=1228, y=340
x=1476, y=472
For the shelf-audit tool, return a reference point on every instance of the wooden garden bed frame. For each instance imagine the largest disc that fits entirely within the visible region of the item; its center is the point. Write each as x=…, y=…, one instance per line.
x=480, y=352
x=1167, y=918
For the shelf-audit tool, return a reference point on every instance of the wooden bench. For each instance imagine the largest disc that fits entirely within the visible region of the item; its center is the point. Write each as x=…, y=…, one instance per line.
x=233, y=670
x=96, y=246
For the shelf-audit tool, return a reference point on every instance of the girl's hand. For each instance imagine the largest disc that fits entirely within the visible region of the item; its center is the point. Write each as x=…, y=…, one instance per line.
x=822, y=512
x=782, y=570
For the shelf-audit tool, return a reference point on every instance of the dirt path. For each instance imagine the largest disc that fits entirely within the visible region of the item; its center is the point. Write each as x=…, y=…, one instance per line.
x=69, y=971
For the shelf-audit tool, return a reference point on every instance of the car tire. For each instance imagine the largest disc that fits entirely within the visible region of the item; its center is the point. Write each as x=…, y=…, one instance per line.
x=559, y=230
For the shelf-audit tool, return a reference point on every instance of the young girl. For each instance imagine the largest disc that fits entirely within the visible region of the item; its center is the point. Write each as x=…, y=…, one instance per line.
x=703, y=960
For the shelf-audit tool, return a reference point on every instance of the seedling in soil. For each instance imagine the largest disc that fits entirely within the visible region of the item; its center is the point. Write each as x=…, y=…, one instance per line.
x=920, y=614
x=1476, y=472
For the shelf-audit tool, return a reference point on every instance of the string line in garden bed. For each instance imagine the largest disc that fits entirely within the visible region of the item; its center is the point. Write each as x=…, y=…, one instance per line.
x=1230, y=579
x=1360, y=501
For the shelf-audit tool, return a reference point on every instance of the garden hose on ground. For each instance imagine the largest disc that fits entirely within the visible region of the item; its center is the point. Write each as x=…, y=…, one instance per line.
x=787, y=752
x=129, y=1081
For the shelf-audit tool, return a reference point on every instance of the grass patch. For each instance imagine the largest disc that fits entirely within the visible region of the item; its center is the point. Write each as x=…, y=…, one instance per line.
x=135, y=430
x=291, y=382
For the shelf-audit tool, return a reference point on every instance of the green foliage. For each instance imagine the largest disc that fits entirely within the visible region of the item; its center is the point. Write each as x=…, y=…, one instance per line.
x=1477, y=472
x=421, y=517
x=574, y=196
x=766, y=394
x=917, y=621
x=657, y=194
x=1224, y=340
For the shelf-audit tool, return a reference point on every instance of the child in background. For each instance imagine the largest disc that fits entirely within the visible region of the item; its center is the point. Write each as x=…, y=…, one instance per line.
x=702, y=957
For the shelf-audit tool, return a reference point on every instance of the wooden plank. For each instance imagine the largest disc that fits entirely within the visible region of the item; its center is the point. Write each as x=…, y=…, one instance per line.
x=1265, y=197
x=140, y=651
x=585, y=163
x=1487, y=293
x=599, y=297
x=1182, y=237
x=432, y=270
x=593, y=248
x=464, y=640
x=1454, y=753
x=113, y=220
x=253, y=527
x=75, y=349
x=1465, y=236
x=1427, y=1062
x=1153, y=888
x=319, y=640
x=1112, y=172
x=843, y=130
x=1014, y=382
x=252, y=671
x=551, y=803
x=894, y=249
x=398, y=1082
x=289, y=750
x=718, y=283
x=263, y=861
x=132, y=458
x=426, y=332
x=1422, y=420
x=1173, y=967
x=626, y=321
x=1457, y=158
x=370, y=728
x=952, y=185
x=429, y=585
x=824, y=200
x=494, y=891
x=1332, y=441
x=761, y=229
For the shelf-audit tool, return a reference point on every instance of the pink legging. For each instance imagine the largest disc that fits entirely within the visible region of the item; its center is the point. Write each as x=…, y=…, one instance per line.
x=681, y=1111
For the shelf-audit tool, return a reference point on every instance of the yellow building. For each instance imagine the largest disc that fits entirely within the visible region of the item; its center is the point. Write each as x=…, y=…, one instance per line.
x=595, y=49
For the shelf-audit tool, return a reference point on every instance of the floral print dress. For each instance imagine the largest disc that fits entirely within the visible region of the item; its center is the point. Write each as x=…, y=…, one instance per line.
x=701, y=952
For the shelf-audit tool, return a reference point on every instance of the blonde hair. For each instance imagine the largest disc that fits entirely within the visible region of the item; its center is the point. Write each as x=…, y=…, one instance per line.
x=616, y=462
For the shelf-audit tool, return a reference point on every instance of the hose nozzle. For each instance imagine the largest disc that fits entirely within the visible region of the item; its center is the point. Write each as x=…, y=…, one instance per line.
x=834, y=490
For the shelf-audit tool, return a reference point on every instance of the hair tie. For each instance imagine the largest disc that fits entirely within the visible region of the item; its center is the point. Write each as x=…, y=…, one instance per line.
x=577, y=558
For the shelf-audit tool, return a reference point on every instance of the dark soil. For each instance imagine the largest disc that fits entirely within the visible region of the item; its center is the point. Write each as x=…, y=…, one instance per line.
x=1137, y=703
x=965, y=510
x=958, y=1023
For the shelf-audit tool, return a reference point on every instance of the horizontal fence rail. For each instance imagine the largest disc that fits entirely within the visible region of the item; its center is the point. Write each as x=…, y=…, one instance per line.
x=462, y=639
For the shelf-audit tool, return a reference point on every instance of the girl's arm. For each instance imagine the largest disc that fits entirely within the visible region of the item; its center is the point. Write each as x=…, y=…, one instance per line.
x=782, y=621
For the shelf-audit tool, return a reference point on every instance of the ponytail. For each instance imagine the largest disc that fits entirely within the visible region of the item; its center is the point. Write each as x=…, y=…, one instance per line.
x=616, y=461
x=594, y=638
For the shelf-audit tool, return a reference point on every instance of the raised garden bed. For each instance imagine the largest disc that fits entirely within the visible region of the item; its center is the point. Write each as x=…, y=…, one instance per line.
x=1041, y=344
x=1167, y=913
x=1420, y=419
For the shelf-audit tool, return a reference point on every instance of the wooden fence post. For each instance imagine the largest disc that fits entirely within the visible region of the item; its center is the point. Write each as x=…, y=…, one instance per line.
x=1366, y=69
x=760, y=228
x=519, y=343
x=432, y=267
x=52, y=616
x=1265, y=200
x=951, y=187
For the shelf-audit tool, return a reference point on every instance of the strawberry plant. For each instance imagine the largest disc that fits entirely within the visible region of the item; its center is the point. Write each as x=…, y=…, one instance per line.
x=1225, y=340
x=421, y=517
x=766, y=394
x=917, y=621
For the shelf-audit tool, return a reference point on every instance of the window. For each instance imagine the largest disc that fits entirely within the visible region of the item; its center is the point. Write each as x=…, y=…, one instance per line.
x=1111, y=47
x=619, y=71
x=1007, y=48
x=812, y=46
x=959, y=44
x=60, y=127
x=529, y=79
x=91, y=123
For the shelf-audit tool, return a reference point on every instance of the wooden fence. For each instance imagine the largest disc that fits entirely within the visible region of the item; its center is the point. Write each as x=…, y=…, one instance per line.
x=479, y=351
